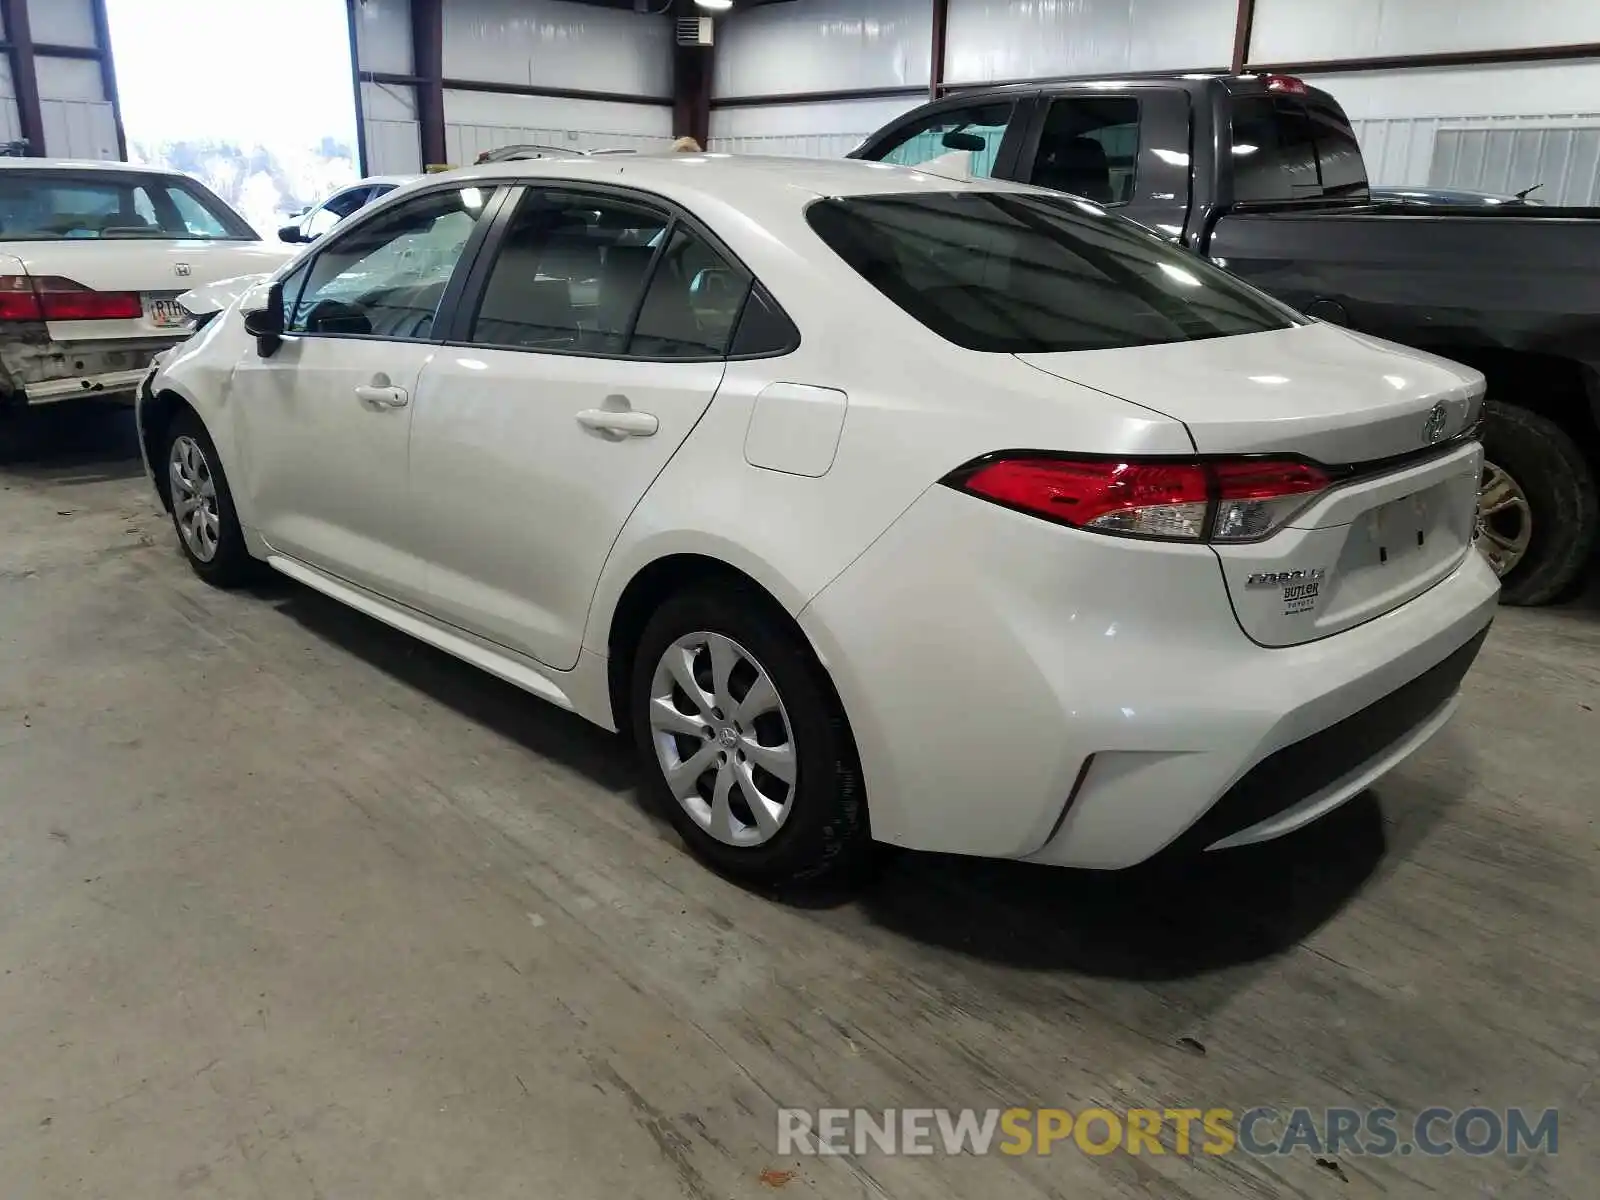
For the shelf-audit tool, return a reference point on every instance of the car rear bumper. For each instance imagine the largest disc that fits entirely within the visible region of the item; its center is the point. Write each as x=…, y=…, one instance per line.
x=109, y=384
x=43, y=372
x=1022, y=690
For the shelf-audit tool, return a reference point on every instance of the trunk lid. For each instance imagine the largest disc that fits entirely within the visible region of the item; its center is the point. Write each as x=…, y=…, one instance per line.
x=158, y=269
x=1318, y=391
x=1397, y=518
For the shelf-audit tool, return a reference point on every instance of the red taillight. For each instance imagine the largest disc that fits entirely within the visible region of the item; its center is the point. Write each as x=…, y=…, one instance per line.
x=52, y=298
x=17, y=301
x=1287, y=84
x=1222, y=500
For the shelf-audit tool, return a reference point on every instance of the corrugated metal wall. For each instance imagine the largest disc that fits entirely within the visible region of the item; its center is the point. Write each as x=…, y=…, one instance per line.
x=824, y=46
x=824, y=130
x=552, y=44
x=1034, y=39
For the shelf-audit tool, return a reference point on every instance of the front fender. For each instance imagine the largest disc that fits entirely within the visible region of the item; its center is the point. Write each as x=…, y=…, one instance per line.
x=214, y=297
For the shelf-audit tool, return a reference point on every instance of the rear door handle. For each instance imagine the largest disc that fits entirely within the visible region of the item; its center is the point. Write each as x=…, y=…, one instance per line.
x=385, y=397
x=619, y=424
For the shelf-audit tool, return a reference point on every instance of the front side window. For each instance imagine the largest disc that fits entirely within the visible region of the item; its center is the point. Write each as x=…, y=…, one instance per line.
x=1284, y=149
x=386, y=277
x=1013, y=273
x=570, y=274
x=1090, y=147
x=961, y=142
x=46, y=206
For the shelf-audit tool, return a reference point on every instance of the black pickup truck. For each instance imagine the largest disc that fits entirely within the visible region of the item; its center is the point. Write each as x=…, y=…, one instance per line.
x=1262, y=174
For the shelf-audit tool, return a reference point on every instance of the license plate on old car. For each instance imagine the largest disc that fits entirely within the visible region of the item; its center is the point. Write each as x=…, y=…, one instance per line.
x=165, y=313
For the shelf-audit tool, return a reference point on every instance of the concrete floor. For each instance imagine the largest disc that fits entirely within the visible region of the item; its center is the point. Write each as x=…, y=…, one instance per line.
x=291, y=906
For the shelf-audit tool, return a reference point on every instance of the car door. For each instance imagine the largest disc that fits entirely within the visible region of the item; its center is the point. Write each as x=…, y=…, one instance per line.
x=974, y=140
x=325, y=418
x=590, y=340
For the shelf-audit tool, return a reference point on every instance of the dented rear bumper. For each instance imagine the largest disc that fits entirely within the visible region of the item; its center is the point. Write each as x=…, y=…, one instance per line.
x=36, y=370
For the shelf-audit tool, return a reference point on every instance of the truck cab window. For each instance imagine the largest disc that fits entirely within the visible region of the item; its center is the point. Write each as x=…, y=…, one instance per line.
x=1284, y=149
x=961, y=142
x=1090, y=148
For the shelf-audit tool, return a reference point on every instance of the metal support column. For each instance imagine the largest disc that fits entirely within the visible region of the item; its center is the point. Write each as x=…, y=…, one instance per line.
x=24, y=78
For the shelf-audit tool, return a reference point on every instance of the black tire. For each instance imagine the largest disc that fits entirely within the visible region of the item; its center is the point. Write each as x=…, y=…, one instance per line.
x=825, y=833
x=231, y=566
x=1560, y=488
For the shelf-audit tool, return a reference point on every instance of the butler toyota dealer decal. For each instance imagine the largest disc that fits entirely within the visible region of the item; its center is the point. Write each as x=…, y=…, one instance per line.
x=1300, y=588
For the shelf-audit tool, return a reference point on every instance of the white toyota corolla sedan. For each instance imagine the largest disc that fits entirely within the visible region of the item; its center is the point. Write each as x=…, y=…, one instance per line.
x=871, y=505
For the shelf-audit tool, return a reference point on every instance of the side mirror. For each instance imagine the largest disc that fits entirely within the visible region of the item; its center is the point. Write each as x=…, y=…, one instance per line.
x=290, y=233
x=262, y=307
x=955, y=140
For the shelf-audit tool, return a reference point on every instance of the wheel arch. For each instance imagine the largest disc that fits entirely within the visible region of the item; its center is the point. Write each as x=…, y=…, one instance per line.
x=616, y=626
x=155, y=417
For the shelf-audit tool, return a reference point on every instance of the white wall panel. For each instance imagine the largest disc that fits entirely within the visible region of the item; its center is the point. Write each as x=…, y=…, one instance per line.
x=1401, y=116
x=823, y=130
x=1036, y=39
x=478, y=121
x=823, y=46
x=68, y=79
x=79, y=129
x=1320, y=30
x=10, y=122
x=555, y=44
x=61, y=22
x=383, y=33
x=394, y=137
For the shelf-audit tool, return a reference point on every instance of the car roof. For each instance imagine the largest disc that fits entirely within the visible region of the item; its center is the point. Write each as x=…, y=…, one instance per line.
x=87, y=164
x=397, y=180
x=747, y=181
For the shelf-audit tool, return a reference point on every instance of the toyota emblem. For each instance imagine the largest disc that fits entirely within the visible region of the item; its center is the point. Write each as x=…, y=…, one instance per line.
x=1433, y=429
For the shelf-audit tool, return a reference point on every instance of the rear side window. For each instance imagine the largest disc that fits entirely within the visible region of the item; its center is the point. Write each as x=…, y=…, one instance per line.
x=1013, y=273
x=692, y=302
x=1284, y=149
x=1090, y=147
x=52, y=206
x=570, y=274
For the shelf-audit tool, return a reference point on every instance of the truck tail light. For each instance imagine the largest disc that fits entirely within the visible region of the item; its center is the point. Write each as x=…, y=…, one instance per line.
x=1288, y=85
x=52, y=298
x=1213, y=500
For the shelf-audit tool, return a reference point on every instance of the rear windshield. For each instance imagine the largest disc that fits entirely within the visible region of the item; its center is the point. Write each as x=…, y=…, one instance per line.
x=1016, y=274
x=1290, y=149
x=52, y=206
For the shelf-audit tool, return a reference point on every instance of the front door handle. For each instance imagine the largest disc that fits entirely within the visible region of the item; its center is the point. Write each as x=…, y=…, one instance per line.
x=625, y=423
x=384, y=397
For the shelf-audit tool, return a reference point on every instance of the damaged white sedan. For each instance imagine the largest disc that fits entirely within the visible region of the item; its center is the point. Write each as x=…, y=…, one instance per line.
x=93, y=257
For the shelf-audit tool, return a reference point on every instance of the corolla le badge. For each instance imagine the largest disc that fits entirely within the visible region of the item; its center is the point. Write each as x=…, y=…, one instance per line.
x=181, y=269
x=1433, y=429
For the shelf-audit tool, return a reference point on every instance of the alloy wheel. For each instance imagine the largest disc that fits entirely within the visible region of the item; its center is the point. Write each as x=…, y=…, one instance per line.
x=723, y=739
x=194, y=498
x=1505, y=520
